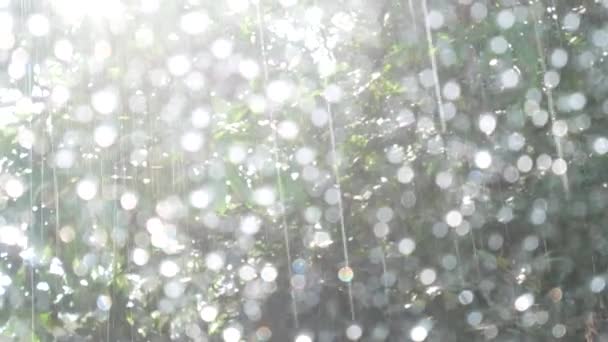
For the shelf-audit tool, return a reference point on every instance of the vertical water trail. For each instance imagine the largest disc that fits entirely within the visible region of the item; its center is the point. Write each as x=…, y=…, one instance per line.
x=410, y=4
x=431, y=48
x=384, y=278
x=129, y=244
x=276, y=161
x=475, y=254
x=114, y=231
x=30, y=244
x=336, y=172
x=458, y=257
x=100, y=225
x=55, y=186
x=550, y=101
x=41, y=191
x=24, y=10
x=113, y=227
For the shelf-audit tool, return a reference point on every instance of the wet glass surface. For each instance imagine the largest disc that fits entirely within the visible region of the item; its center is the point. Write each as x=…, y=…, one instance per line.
x=301, y=170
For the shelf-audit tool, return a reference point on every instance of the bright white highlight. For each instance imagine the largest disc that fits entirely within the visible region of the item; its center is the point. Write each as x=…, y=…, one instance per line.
x=105, y=101
x=524, y=302
x=208, y=313
x=231, y=334
x=128, y=201
x=86, y=189
x=178, y=65
x=288, y=130
x=105, y=135
x=14, y=188
x=264, y=196
x=38, y=25
x=279, y=91
x=453, y=218
x=168, y=269
x=419, y=333
x=195, y=22
x=483, y=159
x=191, y=141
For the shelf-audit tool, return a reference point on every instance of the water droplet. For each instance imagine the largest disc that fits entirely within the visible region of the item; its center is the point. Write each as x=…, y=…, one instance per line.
x=428, y=276
x=264, y=196
x=558, y=330
x=524, y=302
x=221, y=48
x=214, y=261
x=435, y=19
x=279, y=91
x=354, y=332
x=38, y=25
x=168, y=269
x=208, y=313
x=466, y=297
x=303, y=338
x=499, y=45
x=104, y=303
x=14, y=188
x=509, y=78
x=105, y=101
x=483, y=159
x=140, y=256
x=407, y=246
x=487, y=123
x=269, y=273
x=505, y=19
x=231, y=334
x=178, y=65
x=453, y=218
x=346, y=274
x=288, y=130
x=195, y=22
x=128, y=200
x=86, y=189
x=105, y=135
x=405, y=174
x=249, y=69
x=419, y=333
x=191, y=141
x=597, y=285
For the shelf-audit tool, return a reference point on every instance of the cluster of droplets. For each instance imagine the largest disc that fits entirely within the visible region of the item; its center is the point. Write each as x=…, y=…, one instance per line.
x=194, y=164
